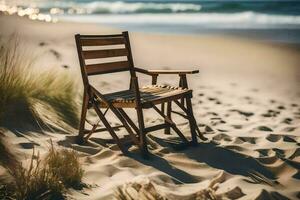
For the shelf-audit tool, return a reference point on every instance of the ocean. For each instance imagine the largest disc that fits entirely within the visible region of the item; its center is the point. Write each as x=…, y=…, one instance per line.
x=277, y=21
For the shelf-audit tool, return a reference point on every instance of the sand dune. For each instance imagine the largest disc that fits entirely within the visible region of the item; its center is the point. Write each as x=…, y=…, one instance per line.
x=246, y=102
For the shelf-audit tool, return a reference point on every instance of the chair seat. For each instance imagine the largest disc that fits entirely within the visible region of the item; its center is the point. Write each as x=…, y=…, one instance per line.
x=151, y=94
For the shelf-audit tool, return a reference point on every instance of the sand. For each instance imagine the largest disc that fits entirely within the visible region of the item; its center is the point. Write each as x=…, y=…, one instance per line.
x=245, y=99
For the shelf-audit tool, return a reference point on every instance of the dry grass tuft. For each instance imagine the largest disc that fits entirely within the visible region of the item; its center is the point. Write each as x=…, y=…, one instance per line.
x=47, y=178
x=33, y=96
x=35, y=182
x=64, y=164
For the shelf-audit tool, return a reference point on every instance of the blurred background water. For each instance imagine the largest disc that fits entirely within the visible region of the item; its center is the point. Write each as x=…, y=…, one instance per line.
x=277, y=21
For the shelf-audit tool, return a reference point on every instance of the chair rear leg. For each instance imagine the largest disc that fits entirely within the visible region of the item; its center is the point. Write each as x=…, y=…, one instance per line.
x=84, y=109
x=171, y=123
x=169, y=110
x=142, y=133
x=192, y=120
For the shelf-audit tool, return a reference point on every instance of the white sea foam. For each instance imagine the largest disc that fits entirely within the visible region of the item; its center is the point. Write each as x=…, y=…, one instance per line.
x=114, y=7
x=209, y=19
x=124, y=7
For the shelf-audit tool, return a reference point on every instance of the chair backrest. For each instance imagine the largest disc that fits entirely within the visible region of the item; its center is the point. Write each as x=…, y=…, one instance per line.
x=101, y=54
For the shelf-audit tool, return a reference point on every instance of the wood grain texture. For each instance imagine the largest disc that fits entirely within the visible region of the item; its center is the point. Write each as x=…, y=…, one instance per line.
x=107, y=67
x=107, y=53
x=101, y=41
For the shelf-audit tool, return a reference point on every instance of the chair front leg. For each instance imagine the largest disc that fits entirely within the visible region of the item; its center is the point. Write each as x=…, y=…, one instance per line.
x=142, y=133
x=192, y=120
x=84, y=109
x=139, y=110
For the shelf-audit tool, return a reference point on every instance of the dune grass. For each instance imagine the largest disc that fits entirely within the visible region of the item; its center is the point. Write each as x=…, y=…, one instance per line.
x=64, y=164
x=31, y=95
x=47, y=178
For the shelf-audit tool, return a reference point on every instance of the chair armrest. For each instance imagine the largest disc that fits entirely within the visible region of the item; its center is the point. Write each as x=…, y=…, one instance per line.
x=157, y=72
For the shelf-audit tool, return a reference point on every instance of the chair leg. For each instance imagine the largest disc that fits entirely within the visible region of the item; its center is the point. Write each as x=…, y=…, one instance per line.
x=125, y=124
x=130, y=122
x=80, y=136
x=171, y=123
x=169, y=110
x=143, y=139
x=108, y=127
x=192, y=120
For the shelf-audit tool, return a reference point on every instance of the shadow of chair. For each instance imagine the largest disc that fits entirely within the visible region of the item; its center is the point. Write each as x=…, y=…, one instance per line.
x=225, y=159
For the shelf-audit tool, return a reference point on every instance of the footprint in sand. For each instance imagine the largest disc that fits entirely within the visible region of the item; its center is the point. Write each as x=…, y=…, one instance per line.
x=65, y=66
x=211, y=99
x=218, y=102
x=222, y=130
x=247, y=98
x=216, y=121
x=208, y=129
x=251, y=140
x=244, y=113
x=56, y=54
x=201, y=125
x=237, y=126
x=279, y=152
x=41, y=44
x=281, y=107
x=234, y=193
x=289, y=139
x=264, y=128
x=273, y=137
x=287, y=120
x=271, y=113
x=289, y=129
x=297, y=115
x=212, y=113
x=238, y=140
x=222, y=136
x=263, y=152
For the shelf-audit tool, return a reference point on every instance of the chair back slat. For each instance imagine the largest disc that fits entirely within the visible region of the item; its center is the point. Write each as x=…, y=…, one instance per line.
x=100, y=54
x=93, y=54
x=102, y=41
x=107, y=67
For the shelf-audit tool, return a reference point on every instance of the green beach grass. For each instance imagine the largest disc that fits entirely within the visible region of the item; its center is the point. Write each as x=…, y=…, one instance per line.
x=30, y=96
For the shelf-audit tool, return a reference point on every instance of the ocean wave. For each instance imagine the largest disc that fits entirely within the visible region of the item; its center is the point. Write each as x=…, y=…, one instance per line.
x=110, y=7
x=139, y=7
x=158, y=6
x=246, y=19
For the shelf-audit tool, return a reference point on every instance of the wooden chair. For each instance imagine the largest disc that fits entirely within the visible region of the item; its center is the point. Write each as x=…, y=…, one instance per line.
x=135, y=97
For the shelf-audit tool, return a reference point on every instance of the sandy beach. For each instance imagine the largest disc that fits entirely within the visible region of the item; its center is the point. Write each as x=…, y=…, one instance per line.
x=245, y=98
